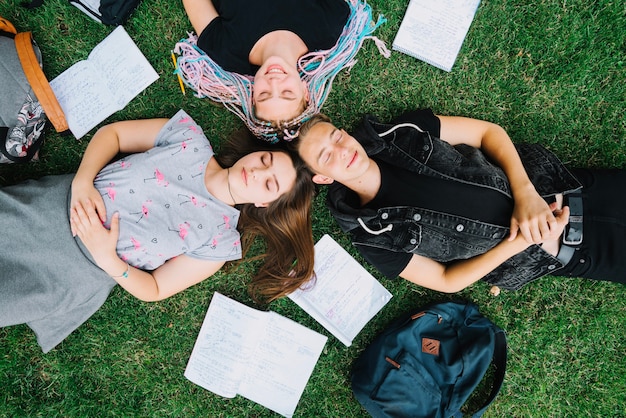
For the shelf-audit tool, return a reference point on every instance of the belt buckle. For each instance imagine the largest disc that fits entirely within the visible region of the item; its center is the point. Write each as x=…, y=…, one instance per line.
x=573, y=233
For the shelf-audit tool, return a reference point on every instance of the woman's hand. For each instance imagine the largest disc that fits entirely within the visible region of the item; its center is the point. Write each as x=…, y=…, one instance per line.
x=533, y=218
x=85, y=195
x=99, y=241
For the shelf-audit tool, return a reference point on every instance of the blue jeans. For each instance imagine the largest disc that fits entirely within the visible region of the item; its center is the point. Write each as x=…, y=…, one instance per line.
x=602, y=254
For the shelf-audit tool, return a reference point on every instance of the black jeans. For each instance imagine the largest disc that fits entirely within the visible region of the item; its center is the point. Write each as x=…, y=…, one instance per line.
x=602, y=254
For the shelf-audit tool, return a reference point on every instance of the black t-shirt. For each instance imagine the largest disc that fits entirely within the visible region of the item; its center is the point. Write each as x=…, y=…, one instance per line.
x=229, y=38
x=400, y=187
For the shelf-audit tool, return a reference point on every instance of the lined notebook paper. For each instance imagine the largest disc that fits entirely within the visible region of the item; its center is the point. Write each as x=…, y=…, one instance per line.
x=434, y=30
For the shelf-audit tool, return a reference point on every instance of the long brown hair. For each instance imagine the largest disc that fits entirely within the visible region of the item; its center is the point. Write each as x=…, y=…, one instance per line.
x=285, y=225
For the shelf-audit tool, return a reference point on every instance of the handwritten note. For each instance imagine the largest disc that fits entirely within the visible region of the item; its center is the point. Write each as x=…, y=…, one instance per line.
x=93, y=89
x=434, y=31
x=261, y=356
x=344, y=296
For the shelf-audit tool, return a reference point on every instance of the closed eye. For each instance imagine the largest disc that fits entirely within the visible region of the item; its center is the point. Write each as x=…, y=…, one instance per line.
x=263, y=96
x=288, y=94
x=325, y=154
x=267, y=159
x=272, y=185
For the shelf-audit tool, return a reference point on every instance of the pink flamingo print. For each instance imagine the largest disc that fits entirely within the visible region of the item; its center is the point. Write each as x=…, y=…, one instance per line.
x=191, y=199
x=183, y=230
x=183, y=147
x=234, y=249
x=144, y=211
x=200, y=171
x=110, y=191
x=136, y=246
x=159, y=177
x=226, y=224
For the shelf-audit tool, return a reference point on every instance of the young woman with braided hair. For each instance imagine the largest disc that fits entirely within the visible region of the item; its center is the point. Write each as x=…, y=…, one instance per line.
x=272, y=62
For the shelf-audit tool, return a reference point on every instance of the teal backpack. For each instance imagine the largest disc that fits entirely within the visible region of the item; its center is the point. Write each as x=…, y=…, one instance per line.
x=429, y=363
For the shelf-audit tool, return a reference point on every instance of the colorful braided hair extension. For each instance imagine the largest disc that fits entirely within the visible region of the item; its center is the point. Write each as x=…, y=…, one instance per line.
x=318, y=69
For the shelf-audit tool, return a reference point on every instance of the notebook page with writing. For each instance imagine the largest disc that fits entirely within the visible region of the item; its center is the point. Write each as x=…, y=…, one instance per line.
x=434, y=31
x=344, y=296
x=259, y=355
x=283, y=364
x=93, y=89
x=225, y=344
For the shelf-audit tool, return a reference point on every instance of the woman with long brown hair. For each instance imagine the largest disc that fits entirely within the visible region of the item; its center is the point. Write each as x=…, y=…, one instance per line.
x=287, y=220
x=156, y=222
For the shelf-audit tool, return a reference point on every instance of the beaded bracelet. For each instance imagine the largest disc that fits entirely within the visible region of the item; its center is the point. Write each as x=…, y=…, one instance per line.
x=125, y=274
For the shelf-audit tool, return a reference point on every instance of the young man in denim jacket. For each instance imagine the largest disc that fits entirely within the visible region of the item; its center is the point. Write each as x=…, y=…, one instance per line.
x=444, y=213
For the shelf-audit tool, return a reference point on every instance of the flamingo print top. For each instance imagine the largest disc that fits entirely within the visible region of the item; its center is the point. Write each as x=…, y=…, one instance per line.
x=165, y=209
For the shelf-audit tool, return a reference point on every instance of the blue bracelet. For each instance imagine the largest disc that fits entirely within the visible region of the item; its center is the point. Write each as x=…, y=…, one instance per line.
x=125, y=274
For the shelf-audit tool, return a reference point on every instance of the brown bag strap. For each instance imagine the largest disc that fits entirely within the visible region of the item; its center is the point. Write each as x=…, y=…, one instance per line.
x=38, y=81
x=7, y=26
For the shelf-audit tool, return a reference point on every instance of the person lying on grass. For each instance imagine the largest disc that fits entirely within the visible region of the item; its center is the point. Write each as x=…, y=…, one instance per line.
x=445, y=201
x=272, y=62
x=156, y=222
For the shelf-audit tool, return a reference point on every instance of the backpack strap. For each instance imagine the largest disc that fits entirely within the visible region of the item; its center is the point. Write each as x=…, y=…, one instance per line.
x=499, y=361
x=7, y=26
x=38, y=81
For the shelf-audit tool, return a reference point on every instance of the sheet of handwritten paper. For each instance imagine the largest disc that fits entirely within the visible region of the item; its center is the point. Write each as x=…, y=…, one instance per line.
x=225, y=345
x=93, y=89
x=261, y=356
x=344, y=296
x=283, y=364
x=434, y=31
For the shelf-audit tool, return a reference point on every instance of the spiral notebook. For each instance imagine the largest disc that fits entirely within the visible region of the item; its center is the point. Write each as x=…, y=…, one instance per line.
x=434, y=30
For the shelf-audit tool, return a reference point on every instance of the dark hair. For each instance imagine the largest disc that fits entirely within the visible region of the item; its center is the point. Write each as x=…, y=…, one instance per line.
x=285, y=224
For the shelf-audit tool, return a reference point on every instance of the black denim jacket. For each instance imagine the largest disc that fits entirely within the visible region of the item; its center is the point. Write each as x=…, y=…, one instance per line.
x=440, y=236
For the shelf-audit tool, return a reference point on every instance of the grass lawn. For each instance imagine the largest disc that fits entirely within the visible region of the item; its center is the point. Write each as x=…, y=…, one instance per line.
x=551, y=72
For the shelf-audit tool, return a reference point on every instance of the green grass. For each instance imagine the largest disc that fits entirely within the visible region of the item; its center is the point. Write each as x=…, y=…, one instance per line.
x=551, y=72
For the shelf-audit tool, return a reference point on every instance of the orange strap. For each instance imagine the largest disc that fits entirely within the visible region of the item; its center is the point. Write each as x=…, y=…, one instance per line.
x=7, y=26
x=38, y=81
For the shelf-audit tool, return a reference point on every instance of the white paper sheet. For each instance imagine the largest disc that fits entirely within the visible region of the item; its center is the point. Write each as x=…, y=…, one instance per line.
x=93, y=89
x=261, y=356
x=345, y=296
x=434, y=30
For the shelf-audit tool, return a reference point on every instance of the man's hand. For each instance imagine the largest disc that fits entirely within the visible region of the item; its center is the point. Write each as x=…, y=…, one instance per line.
x=533, y=218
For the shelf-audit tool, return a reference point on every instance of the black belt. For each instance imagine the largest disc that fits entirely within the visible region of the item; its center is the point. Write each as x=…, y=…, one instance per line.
x=573, y=232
